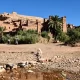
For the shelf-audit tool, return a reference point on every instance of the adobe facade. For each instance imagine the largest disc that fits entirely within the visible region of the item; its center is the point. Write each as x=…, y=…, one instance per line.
x=14, y=21
x=64, y=24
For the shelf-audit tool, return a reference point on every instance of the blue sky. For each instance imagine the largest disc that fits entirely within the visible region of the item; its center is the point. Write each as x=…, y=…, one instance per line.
x=44, y=8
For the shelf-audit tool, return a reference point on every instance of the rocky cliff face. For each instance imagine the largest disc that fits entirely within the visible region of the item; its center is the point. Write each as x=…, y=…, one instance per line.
x=13, y=21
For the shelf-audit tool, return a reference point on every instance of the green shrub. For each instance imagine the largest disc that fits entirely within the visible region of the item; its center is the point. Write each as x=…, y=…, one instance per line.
x=23, y=37
x=63, y=37
x=12, y=40
x=32, y=31
x=31, y=38
x=21, y=32
x=26, y=32
x=4, y=39
x=44, y=34
x=74, y=35
x=26, y=39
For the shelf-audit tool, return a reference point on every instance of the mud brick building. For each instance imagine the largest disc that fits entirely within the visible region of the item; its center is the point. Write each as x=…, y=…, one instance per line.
x=14, y=21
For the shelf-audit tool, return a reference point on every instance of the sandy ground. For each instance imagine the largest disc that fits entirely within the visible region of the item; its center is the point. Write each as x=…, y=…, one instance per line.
x=21, y=52
x=17, y=53
x=68, y=57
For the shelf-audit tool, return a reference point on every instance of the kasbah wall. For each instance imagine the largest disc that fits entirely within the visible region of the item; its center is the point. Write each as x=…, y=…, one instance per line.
x=14, y=21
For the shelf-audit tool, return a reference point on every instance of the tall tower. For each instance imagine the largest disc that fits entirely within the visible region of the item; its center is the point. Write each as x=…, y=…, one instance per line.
x=64, y=25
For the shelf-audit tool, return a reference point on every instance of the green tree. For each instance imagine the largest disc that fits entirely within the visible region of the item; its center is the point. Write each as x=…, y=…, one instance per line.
x=74, y=35
x=2, y=29
x=27, y=36
x=44, y=34
x=55, y=25
x=63, y=37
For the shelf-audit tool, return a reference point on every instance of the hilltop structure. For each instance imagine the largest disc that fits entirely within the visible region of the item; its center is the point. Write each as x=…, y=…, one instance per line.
x=14, y=21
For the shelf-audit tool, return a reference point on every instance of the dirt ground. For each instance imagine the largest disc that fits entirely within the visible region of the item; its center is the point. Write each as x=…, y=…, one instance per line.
x=17, y=53
x=48, y=49
x=21, y=52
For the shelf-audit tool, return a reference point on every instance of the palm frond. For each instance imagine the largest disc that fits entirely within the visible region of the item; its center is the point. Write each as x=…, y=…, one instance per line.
x=2, y=29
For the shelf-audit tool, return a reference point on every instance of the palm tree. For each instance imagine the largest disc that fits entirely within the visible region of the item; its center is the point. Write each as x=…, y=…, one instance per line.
x=55, y=25
x=2, y=29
